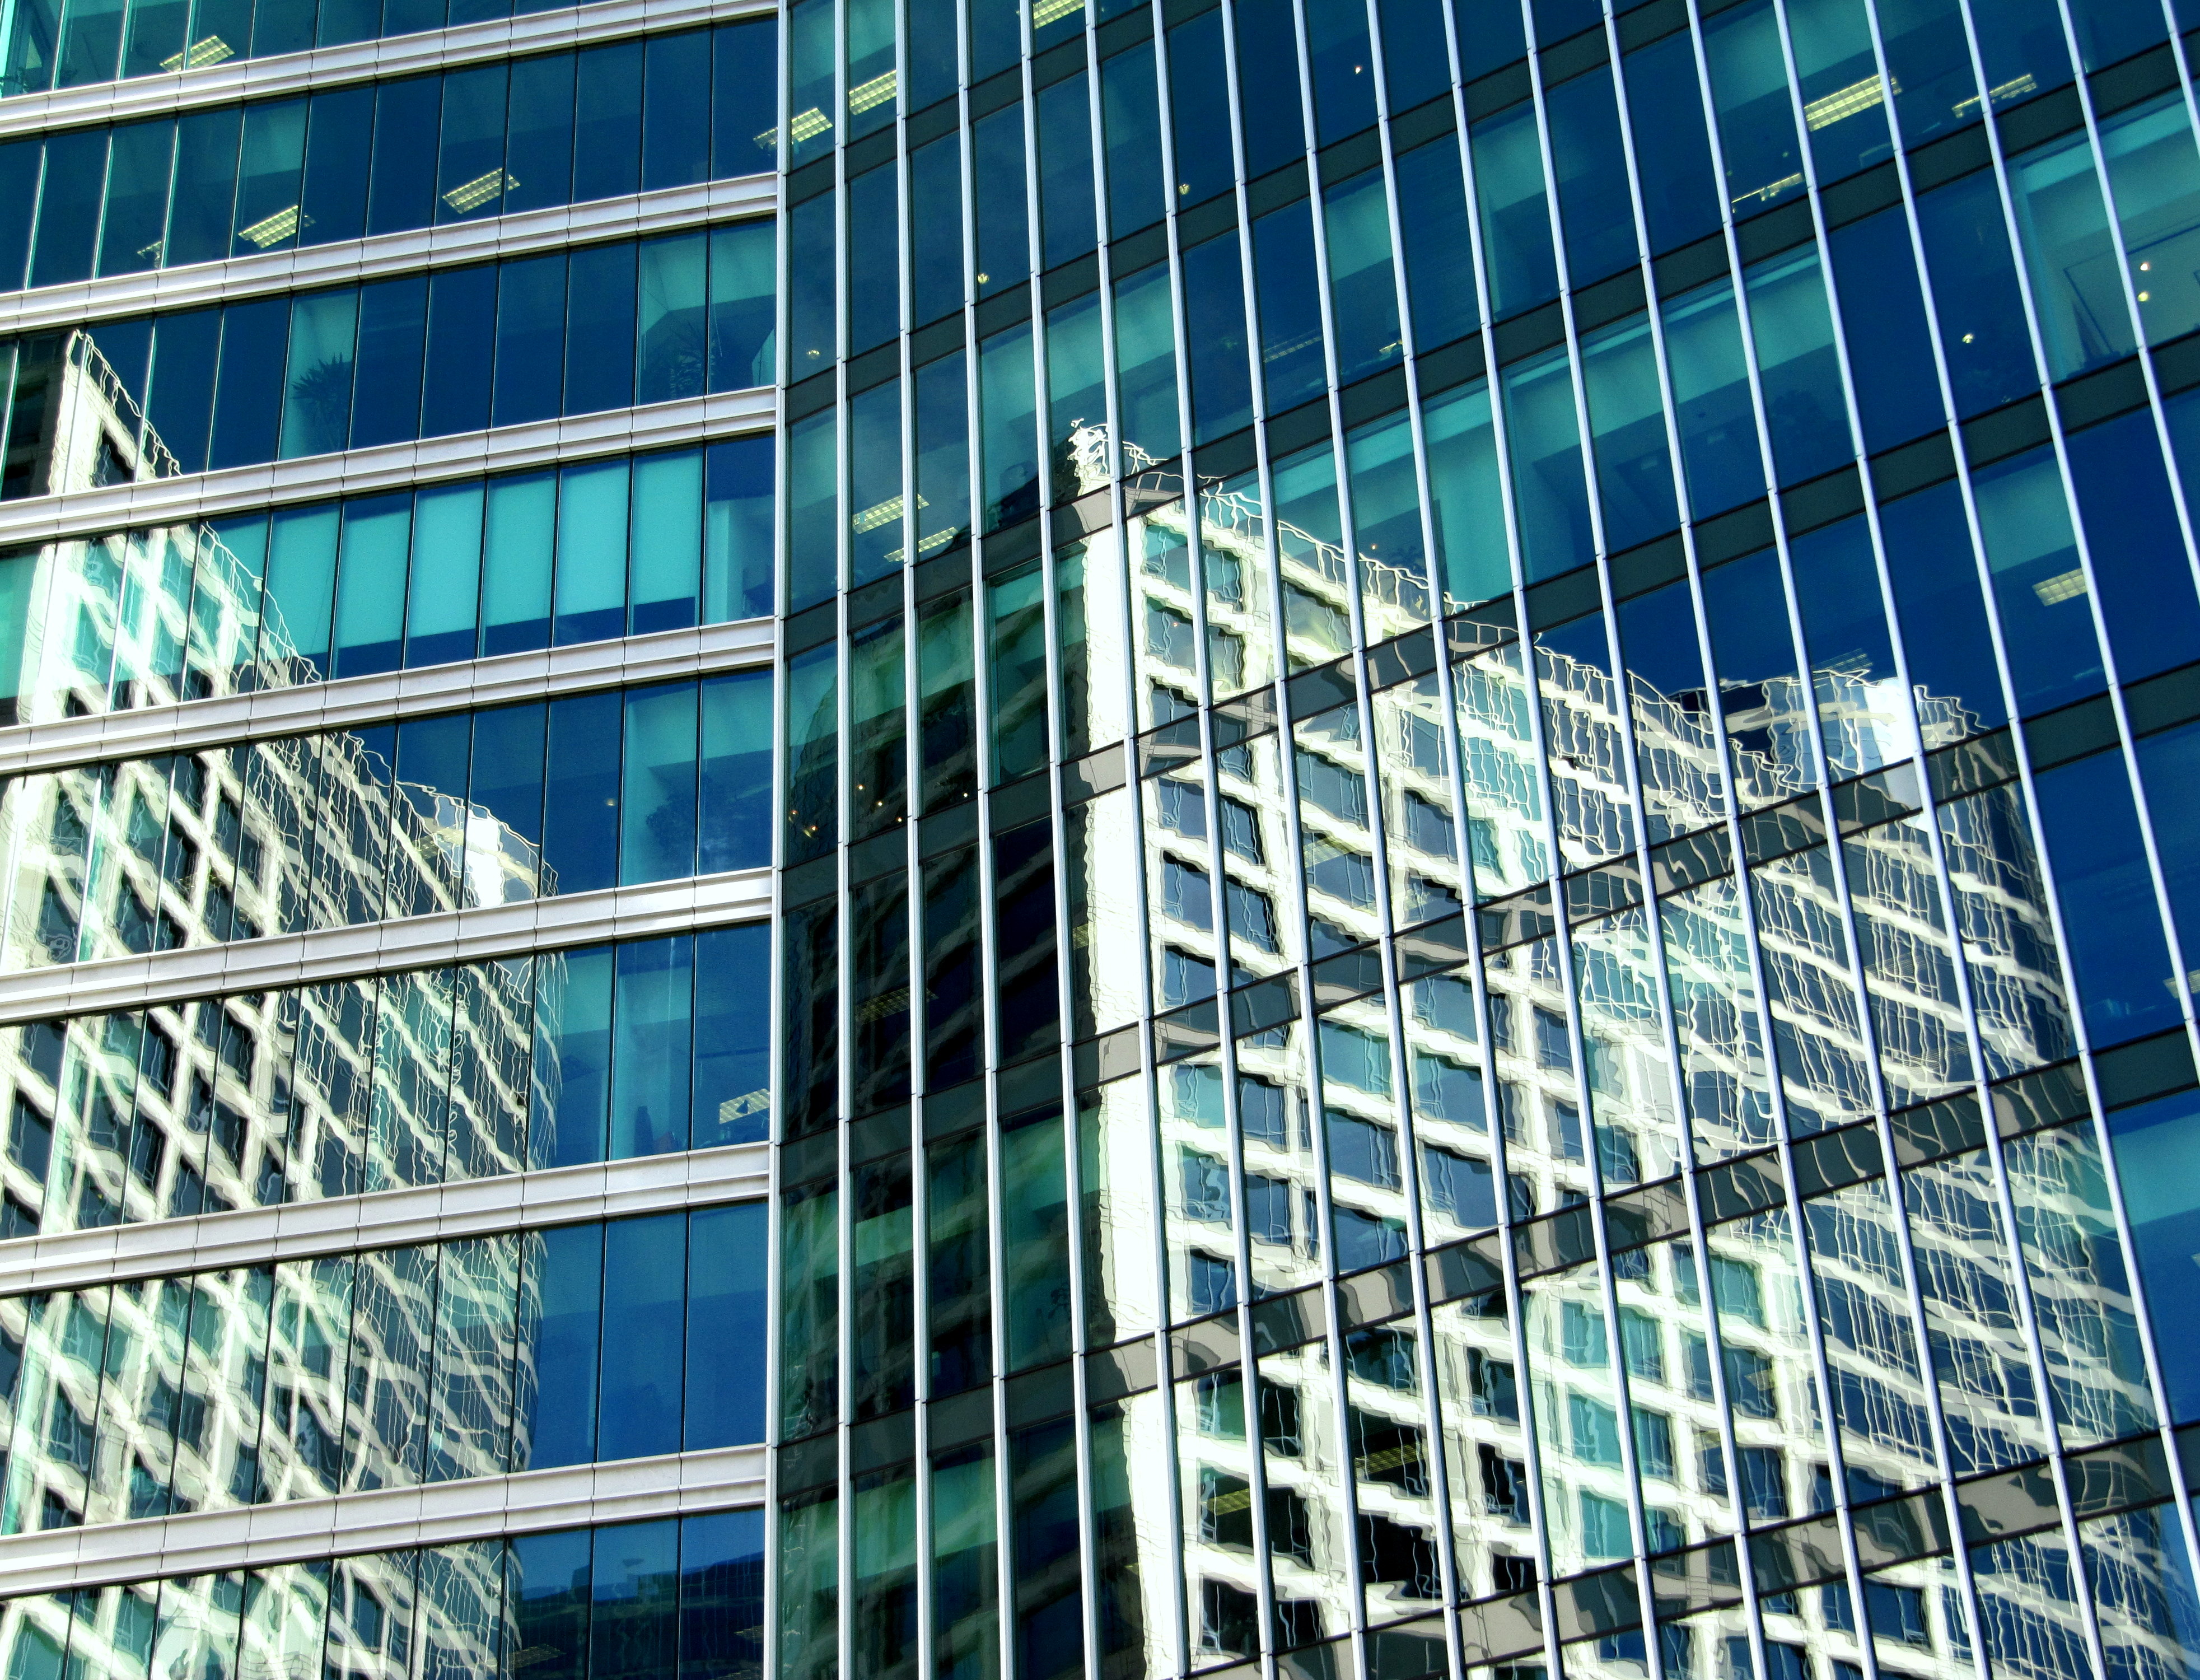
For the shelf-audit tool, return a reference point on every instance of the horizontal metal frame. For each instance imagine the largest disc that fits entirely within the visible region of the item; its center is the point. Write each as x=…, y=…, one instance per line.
x=475, y=935
x=361, y=61
x=389, y=466
x=425, y=1213
x=351, y=702
x=386, y=1519
x=196, y=285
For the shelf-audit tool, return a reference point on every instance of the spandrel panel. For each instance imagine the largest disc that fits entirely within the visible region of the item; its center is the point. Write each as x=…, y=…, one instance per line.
x=1877, y=1378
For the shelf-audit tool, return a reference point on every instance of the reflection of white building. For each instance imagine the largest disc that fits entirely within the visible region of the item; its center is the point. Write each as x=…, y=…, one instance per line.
x=1698, y=1413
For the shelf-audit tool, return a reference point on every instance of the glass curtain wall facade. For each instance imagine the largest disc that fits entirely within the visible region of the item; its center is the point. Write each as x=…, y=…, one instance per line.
x=387, y=780
x=1488, y=721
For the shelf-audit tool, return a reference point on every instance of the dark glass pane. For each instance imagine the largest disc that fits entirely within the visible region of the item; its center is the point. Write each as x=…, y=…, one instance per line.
x=733, y=1045
x=530, y=338
x=676, y=114
x=407, y=115
x=470, y=168
x=393, y=321
x=538, y=161
x=461, y=348
x=249, y=399
x=580, y=840
x=68, y=206
x=206, y=187
x=566, y=1276
x=644, y=1283
x=339, y=131
x=607, y=152
x=600, y=336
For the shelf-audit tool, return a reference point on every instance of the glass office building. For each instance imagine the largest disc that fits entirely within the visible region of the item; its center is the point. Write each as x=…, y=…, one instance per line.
x=1491, y=715
x=954, y=840
x=386, y=717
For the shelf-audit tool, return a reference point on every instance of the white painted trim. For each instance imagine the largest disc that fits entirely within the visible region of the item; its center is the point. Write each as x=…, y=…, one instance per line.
x=386, y=1519
x=432, y=1213
x=194, y=285
x=418, y=942
x=351, y=702
x=361, y=60
x=389, y=466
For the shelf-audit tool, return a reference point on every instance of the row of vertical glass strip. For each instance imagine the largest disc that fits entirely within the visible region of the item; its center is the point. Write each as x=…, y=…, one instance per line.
x=388, y=1367
x=427, y=1077
x=672, y=1599
x=1846, y=969
x=576, y=331
x=64, y=43
x=386, y=157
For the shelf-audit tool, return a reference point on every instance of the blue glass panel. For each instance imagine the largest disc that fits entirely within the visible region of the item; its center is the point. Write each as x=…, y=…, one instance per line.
x=206, y=186
x=733, y=1036
x=935, y=210
x=1273, y=125
x=592, y=531
x=1883, y=320
x=997, y=148
x=666, y=570
x=607, y=121
x=407, y=116
x=676, y=112
x=874, y=258
x=1590, y=163
x=1719, y=450
x=1138, y=188
x=1680, y=187
x=657, y=797
x=1214, y=338
x=470, y=170
x=1627, y=424
x=249, y=394
x=521, y=536
x=1944, y=622
x=2125, y=985
x=1067, y=224
x=370, y=616
x=1439, y=244
x=645, y=1278
x=339, y=142
x=441, y=606
x=68, y=206
x=1929, y=64
x=538, y=161
x=1199, y=110
x=1363, y=286
x=572, y=1060
x=1798, y=366
x=2139, y=552
x=2169, y=772
x=600, y=330
x=566, y=1264
x=392, y=323
x=1008, y=419
x=744, y=307
x=461, y=351
x=1292, y=365
x=20, y=163
x=737, y=567
x=530, y=338
x=1975, y=295
x=507, y=784
x=1516, y=220
x=744, y=68
x=580, y=837
x=1342, y=65
x=2047, y=614
x=1550, y=496
x=653, y=1047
